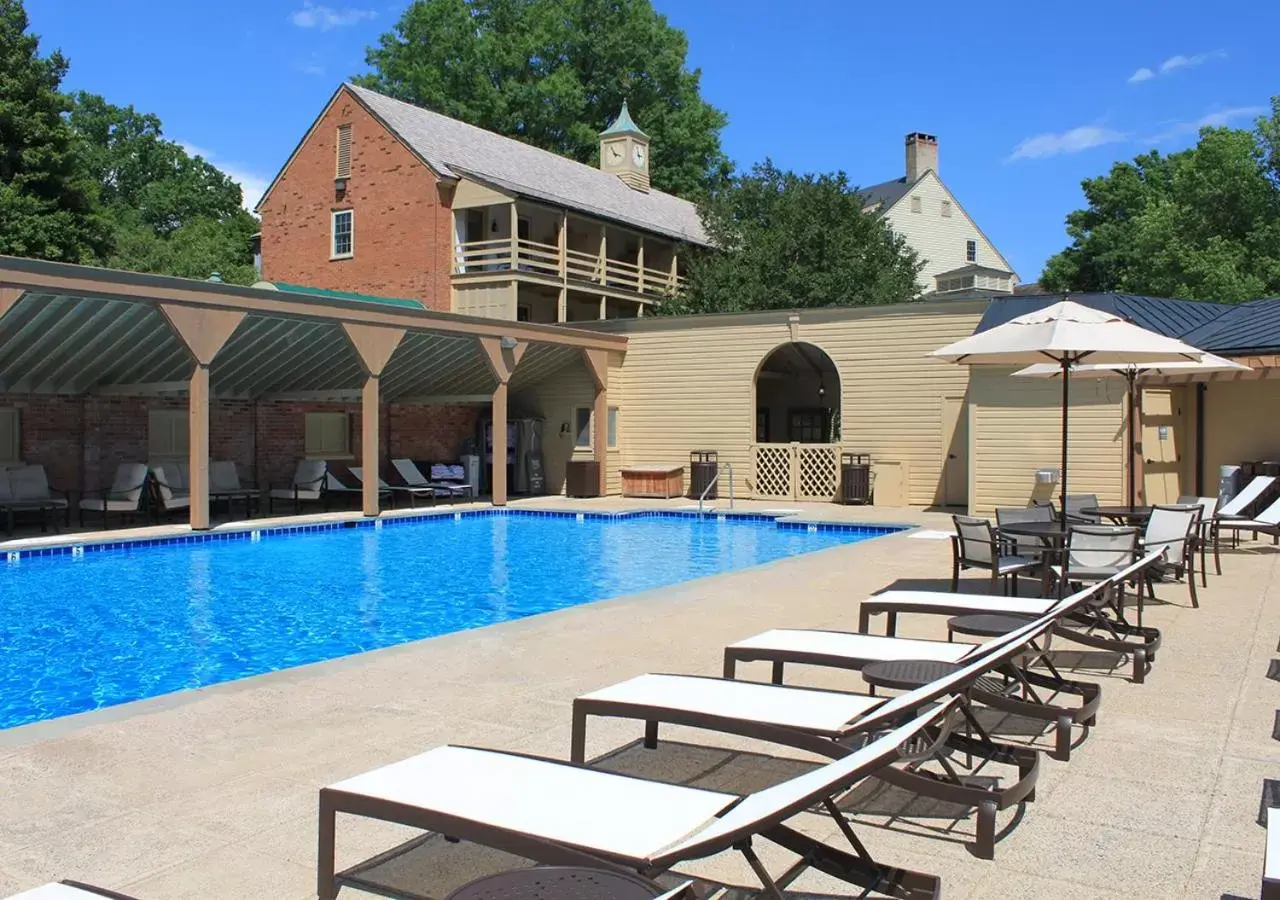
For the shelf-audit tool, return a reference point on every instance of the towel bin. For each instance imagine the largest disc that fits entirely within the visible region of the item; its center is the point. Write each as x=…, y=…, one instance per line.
x=703, y=467
x=582, y=478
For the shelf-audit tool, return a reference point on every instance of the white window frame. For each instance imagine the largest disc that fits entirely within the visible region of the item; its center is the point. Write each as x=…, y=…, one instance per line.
x=333, y=234
x=10, y=434
x=577, y=432
x=338, y=449
x=614, y=422
x=168, y=435
x=971, y=251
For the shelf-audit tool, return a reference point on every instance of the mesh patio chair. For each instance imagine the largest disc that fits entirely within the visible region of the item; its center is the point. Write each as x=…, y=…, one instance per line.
x=1098, y=552
x=1022, y=545
x=1208, y=532
x=1175, y=530
x=975, y=545
x=1076, y=503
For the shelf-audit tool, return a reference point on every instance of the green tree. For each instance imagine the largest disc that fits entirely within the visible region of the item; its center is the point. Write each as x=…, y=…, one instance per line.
x=554, y=73
x=47, y=201
x=788, y=241
x=1203, y=223
x=171, y=212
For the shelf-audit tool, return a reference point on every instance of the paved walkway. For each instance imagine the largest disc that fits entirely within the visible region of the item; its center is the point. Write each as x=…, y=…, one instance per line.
x=211, y=794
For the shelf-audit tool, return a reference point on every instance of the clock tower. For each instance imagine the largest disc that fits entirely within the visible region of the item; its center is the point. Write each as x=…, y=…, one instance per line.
x=624, y=151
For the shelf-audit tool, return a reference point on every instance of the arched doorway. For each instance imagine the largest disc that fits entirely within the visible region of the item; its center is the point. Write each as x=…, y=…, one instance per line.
x=797, y=424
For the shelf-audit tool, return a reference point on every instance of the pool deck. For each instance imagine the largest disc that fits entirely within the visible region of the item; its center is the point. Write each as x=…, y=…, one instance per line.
x=212, y=793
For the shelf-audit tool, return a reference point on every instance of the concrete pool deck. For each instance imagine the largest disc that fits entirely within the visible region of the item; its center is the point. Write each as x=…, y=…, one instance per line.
x=212, y=793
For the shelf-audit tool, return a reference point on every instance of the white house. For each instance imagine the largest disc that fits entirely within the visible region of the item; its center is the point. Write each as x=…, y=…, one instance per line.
x=959, y=259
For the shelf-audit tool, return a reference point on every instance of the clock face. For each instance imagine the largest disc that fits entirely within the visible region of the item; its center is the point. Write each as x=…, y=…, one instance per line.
x=637, y=153
x=615, y=153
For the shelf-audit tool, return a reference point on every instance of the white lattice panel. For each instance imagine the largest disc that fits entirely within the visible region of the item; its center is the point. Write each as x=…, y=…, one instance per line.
x=819, y=471
x=773, y=471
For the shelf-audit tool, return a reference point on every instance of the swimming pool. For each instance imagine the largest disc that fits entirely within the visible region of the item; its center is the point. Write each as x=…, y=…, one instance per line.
x=93, y=627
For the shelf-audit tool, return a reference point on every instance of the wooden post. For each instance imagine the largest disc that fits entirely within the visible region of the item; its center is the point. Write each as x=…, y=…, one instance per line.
x=675, y=270
x=604, y=307
x=564, y=246
x=502, y=362
x=204, y=331
x=604, y=255
x=374, y=346
x=198, y=449
x=597, y=364
x=515, y=237
x=562, y=305
x=640, y=266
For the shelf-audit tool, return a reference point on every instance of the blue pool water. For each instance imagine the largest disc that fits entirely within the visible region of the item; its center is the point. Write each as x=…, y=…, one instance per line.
x=100, y=628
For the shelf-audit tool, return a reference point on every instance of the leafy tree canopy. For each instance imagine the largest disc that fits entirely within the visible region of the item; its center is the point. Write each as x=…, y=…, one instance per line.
x=48, y=204
x=789, y=241
x=1203, y=223
x=554, y=73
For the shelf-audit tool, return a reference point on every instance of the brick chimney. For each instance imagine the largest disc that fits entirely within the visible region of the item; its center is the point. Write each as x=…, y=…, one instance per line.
x=922, y=155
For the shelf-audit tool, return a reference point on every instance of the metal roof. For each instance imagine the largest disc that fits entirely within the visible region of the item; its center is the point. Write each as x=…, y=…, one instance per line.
x=624, y=124
x=451, y=148
x=1252, y=327
x=1173, y=318
x=340, y=295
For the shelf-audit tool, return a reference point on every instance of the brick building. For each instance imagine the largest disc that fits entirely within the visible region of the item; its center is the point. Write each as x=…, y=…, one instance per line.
x=385, y=198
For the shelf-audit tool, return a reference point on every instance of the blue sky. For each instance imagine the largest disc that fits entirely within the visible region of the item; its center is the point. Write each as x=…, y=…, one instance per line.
x=1026, y=98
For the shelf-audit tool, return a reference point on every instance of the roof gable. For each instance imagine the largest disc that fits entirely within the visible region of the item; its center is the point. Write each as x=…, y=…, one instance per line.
x=452, y=148
x=883, y=196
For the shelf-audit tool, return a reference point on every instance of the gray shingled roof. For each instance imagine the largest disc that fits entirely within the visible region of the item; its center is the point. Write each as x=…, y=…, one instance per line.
x=886, y=193
x=455, y=148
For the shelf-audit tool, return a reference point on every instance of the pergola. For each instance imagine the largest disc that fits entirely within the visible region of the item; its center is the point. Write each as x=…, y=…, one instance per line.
x=76, y=330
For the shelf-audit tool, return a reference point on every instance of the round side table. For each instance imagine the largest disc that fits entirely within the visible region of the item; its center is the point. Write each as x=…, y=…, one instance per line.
x=906, y=674
x=558, y=883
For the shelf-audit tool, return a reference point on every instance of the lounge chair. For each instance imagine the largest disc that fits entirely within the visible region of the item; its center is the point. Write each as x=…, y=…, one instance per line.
x=560, y=813
x=308, y=486
x=1265, y=522
x=225, y=484
x=975, y=545
x=69, y=890
x=26, y=488
x=408, y=470
x=1238, y=507
x=391, y=490
x=1089, y=625
x=344, y=482
x=124, y=498
x=1018, y=694
x=830, y=723
x=1271, y=859
x=169, y=489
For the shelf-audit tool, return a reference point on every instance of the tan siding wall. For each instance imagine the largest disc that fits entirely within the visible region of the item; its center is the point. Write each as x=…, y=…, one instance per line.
x=939, y=240
x=468, y=194
x=692, y=388
x=1240, y=425
x=554, y=399
x=1016, y=428
x=492, y=301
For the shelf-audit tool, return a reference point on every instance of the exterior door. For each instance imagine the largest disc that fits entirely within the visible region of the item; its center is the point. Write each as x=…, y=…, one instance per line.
x=1163, y=439
x=955, y=450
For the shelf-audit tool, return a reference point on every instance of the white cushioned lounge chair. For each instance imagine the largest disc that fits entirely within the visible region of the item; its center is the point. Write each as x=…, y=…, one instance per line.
x=558, y=813
x=308, y=486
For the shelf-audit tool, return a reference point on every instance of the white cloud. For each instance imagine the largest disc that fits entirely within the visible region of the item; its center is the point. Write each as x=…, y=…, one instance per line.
x=1085, y=137
x=1215, y=119
x=1174, y=63
x=252, y=184
x=313, y=15
x=311, y=69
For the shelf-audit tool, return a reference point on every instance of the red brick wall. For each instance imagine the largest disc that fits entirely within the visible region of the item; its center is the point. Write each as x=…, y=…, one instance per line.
x=81, y=440
x=403, y=230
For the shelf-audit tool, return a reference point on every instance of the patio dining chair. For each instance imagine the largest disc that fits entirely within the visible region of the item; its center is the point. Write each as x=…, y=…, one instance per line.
x=1077, y=503
x=1208, y=532
x=975, y=545
x=1021, y=545
x=1175, y=530
x=1098, y=552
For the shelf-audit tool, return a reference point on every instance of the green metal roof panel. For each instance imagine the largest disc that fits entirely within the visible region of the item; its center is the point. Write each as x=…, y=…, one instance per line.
x=348, y=295
x=624, y=124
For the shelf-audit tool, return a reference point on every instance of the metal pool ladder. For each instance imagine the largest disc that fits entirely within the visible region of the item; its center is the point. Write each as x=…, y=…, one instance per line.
x=712, y=484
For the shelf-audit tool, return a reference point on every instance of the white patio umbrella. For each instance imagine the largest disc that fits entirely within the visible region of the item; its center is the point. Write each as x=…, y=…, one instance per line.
x=1131, y=373
x=1068, y=335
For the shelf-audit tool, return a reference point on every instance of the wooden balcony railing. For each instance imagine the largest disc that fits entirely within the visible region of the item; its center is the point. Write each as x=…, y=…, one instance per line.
x=472, y=257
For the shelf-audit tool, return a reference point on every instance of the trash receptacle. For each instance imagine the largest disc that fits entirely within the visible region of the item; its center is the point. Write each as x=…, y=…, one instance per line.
x=703, y=466
x=1228, y=483
x=855, y=477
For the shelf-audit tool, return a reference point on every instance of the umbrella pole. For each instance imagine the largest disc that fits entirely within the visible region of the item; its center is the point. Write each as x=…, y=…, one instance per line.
x=1062, y=478
x=1132, y=377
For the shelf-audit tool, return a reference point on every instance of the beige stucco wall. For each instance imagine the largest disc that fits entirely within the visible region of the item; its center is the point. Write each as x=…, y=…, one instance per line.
x=1240, y=424
x=691, y=387
x=1015, y=428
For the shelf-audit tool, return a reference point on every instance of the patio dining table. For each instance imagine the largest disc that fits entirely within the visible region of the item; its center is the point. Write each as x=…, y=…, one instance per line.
x=1052, y=536
x=1121, y=515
